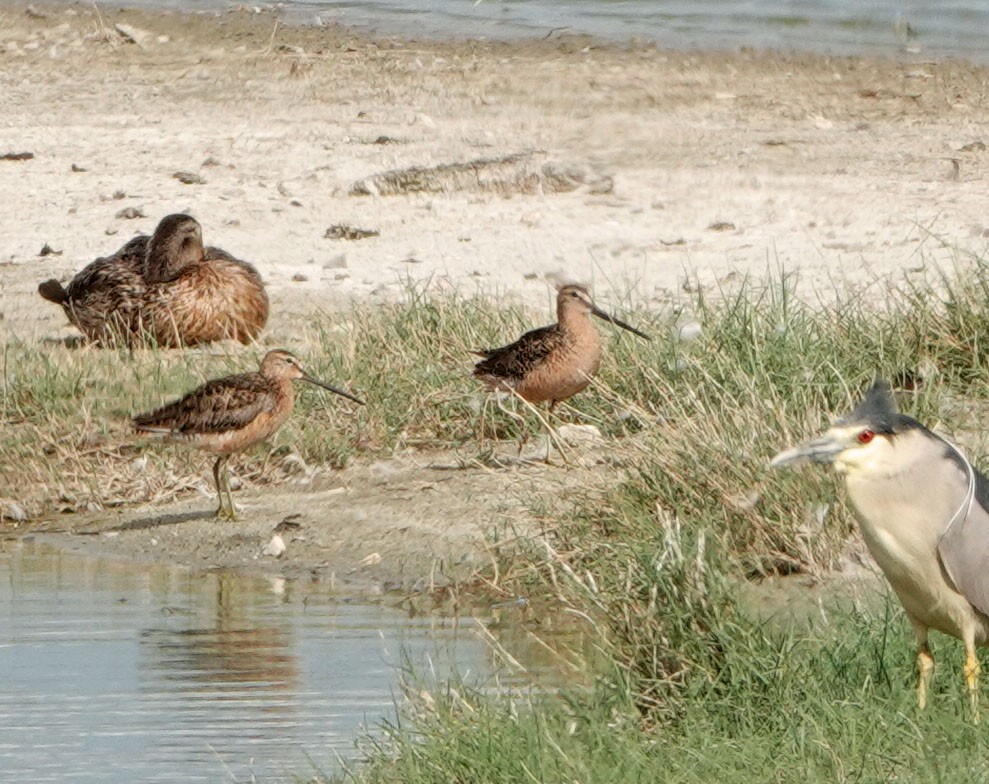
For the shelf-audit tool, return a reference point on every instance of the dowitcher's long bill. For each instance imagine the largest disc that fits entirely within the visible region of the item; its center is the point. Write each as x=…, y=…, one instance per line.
x=229, y=414
x=596, y=311
x=342, y=392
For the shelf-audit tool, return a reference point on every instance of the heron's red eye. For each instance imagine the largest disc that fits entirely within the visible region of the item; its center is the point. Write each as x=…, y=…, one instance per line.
x=866, y=436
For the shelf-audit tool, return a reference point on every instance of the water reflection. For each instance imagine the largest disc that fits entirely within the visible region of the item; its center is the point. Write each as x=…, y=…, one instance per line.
x=230, y=680
x=126, y=673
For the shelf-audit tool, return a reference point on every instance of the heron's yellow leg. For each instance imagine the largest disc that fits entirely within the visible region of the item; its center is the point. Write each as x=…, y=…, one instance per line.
x=925, y=670
x=971, y=671
x=925, y=662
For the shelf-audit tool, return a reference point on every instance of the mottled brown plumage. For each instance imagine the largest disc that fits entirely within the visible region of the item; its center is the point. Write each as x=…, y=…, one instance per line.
x=227, y=415
x=167, y=290
x=104, y=299
x=551, y=363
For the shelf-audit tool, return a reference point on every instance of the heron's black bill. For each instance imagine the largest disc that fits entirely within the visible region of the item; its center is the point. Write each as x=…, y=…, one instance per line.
x=821, y=450
x=618, y=322
x=338, y=391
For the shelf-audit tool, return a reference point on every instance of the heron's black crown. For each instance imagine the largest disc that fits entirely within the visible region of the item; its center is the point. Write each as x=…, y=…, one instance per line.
x=878, y=411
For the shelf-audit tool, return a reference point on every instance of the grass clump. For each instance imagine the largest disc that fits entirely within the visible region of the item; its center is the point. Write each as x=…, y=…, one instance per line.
x=833, y=702
x=694, y=687
x=66, y=441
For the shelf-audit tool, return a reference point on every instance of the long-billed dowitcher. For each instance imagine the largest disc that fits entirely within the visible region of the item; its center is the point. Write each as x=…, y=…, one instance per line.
x=229, y=414
x=551, y=363
x=167, y=289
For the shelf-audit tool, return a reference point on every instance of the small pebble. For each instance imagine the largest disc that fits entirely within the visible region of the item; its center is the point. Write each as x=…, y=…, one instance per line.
x=13, y=511
x=189, y=178
x=275, y=548
x=690, y=331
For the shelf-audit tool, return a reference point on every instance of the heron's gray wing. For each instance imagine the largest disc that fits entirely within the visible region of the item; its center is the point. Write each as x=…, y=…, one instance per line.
x=964, y=549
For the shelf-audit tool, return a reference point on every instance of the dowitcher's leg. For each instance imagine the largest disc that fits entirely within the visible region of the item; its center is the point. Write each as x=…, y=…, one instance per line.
x=517, y=417
x=971, y=671
x=551, y=437
x=231, y=509
x=230, y=499
x=220, y=477
x=925, y=662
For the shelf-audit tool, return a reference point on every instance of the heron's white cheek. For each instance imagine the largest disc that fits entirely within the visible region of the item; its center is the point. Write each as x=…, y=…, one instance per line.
x=874, y=459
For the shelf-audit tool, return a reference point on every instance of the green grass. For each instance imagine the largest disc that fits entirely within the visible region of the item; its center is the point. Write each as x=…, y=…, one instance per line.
x=828, y=704
x=702, y=415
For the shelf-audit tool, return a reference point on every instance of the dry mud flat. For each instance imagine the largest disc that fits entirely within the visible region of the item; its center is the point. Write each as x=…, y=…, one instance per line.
x=344, y=167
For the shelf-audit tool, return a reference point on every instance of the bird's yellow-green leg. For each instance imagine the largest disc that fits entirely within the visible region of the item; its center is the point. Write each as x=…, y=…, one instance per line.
x=226, y=511
x=231, y=509
x=971, y=671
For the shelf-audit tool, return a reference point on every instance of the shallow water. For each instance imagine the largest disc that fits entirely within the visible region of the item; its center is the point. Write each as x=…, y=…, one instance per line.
x=126, y=673
x=957, y=28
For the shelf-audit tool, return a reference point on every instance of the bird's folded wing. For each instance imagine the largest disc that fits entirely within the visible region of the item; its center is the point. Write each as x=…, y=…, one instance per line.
x=517, y=359
x=964, y=552
x=224, y=404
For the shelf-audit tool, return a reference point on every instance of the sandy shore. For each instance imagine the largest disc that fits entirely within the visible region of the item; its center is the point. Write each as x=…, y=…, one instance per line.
x=641, y=172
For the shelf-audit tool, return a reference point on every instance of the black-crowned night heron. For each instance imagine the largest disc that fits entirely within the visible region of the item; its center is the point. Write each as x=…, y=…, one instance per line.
x=924, y=514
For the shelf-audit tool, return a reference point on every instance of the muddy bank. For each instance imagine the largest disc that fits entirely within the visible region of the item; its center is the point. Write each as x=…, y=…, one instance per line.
x=415, y=523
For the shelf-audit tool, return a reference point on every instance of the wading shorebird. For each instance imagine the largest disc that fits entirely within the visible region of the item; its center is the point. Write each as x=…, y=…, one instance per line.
x=230, y=414
x=167, y=289
x=551, y=363
x=923, y=510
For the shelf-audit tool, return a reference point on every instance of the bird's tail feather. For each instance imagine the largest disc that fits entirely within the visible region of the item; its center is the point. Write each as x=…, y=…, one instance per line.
x=53, y=291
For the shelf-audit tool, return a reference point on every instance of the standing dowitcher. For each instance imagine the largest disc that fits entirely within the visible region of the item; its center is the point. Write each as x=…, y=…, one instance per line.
x=551, y=363
x=167, y=289
x=229, y=414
